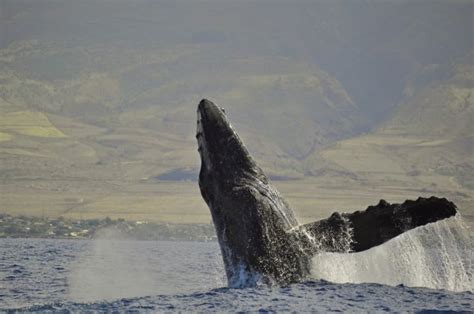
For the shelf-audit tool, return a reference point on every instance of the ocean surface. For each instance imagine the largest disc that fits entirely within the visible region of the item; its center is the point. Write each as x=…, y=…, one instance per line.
x=424, y=270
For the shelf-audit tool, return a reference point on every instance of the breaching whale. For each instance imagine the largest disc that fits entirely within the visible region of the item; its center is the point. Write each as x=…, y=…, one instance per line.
x=258, y=233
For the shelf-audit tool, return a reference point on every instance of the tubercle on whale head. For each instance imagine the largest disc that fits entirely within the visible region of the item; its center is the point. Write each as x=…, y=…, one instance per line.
x=218, y=144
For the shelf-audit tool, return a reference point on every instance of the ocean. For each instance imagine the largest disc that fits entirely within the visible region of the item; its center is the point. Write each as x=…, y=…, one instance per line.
x=425, y=270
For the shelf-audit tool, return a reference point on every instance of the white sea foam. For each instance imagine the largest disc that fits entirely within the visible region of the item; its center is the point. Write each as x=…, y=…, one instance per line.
x=109, y=270
x=113, y=267
x=438, y=255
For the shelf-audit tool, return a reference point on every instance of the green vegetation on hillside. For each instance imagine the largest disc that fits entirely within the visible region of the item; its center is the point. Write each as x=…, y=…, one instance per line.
x=35, y=227
x=28, y=123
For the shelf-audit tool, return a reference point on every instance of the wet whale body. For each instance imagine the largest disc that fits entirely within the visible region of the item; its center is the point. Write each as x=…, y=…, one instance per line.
x=260, y=239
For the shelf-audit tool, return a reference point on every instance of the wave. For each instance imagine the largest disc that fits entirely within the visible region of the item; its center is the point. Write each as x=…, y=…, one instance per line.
x=318, y=296
x=437, y=255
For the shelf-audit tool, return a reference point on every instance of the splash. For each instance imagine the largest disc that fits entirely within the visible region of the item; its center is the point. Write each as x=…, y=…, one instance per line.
x=109, y=269
x=437, y=255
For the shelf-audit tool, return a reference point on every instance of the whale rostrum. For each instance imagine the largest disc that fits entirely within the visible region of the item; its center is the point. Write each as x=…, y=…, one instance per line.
x=258, y=233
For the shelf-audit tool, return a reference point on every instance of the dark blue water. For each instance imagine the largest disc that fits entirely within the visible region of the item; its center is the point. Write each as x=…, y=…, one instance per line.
x=110, y=275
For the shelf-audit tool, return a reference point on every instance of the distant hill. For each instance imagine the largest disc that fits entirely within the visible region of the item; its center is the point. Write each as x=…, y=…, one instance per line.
x=98, y=98
x=427, y=143
x=135, y=101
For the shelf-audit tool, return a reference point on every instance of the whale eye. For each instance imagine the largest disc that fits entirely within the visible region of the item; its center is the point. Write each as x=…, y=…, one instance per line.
x=223, y=110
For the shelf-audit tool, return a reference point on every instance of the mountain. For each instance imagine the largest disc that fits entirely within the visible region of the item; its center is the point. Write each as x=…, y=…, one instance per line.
x=425, y=146
x=98, y=100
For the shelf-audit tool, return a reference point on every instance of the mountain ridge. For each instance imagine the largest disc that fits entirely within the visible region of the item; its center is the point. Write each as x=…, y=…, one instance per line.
x=329, y=100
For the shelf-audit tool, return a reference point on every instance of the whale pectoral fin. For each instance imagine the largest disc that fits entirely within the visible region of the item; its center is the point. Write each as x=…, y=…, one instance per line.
x=377, y=224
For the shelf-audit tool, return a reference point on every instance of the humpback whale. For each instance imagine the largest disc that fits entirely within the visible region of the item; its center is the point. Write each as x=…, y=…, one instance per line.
x=259, y=236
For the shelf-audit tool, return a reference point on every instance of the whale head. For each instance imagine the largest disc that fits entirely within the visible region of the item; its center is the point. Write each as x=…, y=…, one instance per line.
x=219, y=145
x=250, y=216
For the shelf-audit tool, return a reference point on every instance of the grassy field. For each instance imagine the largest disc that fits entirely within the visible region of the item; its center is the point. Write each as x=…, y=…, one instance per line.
x=27, y=123
x=94, y=173
x=180, y=202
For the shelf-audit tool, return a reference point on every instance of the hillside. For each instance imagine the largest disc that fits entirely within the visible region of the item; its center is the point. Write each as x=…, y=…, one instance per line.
x=338, y=102
x=426, y=145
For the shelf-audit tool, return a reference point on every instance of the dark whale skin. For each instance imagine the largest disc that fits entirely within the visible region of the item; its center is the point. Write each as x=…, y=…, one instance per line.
x=259, y=236
x=382, y=222
x=251, y=218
